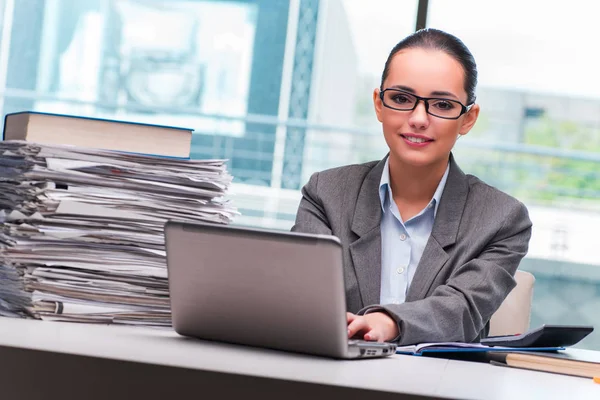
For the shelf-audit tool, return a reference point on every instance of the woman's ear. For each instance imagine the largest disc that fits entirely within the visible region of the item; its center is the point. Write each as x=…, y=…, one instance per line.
x=469, y=120
x=378, y=104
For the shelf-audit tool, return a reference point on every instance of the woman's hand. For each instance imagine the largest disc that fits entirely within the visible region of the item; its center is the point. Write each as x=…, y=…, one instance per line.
x=375, y=326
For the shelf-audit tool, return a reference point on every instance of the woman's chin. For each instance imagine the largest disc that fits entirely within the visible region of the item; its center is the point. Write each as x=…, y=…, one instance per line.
x=416, y=159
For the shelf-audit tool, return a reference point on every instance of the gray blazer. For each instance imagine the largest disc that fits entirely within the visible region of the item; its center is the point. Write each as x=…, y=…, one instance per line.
x=479, y=236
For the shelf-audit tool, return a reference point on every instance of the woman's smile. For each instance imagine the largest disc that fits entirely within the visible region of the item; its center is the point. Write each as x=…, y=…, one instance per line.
x=415, y=140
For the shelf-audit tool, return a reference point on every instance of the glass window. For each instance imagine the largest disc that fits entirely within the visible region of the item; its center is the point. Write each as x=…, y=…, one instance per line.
x=369, y=33
x=213, y=66
x=538, y=137
x=253, y=78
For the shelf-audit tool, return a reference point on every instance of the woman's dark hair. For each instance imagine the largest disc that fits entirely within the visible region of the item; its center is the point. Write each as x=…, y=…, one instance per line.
x=434, y=39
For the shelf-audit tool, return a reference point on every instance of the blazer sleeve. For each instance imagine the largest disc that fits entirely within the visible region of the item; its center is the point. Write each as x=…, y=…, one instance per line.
x=460, y=309
x=311, y=217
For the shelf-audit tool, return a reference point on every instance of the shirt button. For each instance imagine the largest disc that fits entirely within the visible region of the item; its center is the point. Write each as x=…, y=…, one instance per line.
x=395, y=302
x=430, y=205
x=403, y=237
x=400, y=270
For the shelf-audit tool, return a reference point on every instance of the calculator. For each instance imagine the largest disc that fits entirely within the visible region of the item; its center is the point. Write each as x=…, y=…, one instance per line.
x=544, y=336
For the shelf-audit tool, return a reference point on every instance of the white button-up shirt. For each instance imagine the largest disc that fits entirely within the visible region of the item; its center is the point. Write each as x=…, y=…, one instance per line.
x=402, y=242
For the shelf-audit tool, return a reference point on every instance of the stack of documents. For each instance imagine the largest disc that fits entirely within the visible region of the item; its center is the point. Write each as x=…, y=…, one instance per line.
x=82, y=229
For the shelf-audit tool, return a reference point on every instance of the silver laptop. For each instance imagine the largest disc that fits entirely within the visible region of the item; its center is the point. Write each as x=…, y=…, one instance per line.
x=274, y=289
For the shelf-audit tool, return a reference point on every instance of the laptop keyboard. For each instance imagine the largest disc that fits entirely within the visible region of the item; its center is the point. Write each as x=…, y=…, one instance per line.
x=356, y=342
x=367, y=343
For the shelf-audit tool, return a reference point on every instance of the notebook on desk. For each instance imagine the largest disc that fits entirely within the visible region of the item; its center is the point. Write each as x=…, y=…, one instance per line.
x=274, y=289
x=460, y=347
x=546, y=338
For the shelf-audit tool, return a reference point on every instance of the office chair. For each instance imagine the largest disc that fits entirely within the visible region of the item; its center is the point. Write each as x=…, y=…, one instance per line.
x=514, y=313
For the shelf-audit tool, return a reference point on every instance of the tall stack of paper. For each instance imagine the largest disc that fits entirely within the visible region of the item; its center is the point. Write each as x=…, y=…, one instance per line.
x=82, y=233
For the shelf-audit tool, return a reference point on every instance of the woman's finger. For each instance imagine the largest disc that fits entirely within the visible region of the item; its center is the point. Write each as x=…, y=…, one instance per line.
x=350, y=317
x=374, y=335
x=357, y=325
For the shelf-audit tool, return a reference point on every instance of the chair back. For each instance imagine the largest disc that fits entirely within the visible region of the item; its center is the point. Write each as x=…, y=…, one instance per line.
x=514, y=313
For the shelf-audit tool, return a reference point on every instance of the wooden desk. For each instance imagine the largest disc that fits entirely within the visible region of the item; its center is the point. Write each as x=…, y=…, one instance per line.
x=56, y=360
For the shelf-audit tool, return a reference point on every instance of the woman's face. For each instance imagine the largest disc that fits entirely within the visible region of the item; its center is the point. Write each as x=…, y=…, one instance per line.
x=426, y=73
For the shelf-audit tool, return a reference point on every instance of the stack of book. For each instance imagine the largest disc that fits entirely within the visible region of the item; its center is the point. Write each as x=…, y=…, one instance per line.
x=82, y=227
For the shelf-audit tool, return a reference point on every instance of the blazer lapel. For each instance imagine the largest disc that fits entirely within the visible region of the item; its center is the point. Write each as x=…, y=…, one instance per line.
x=443, y=233
x=366, y=250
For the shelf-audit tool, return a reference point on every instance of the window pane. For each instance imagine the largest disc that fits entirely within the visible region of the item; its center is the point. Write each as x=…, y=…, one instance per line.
x=253, y=78
x=354, y=43
x=538, y=137
x=209, y=67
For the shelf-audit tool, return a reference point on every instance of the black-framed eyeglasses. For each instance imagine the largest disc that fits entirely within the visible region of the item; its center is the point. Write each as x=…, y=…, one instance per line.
x=400, y=100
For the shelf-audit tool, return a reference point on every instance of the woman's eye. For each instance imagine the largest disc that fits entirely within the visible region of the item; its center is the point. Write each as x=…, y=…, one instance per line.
x=400, y=99
x=443, y=105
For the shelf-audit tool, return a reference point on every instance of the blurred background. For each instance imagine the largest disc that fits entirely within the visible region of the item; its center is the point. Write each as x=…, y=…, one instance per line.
x=283, y=88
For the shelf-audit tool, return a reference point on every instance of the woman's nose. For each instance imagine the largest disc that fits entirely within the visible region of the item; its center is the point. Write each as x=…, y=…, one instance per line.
x=419, y=119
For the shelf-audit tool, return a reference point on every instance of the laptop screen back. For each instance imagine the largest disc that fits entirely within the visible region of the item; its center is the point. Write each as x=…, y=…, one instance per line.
x=264, y=288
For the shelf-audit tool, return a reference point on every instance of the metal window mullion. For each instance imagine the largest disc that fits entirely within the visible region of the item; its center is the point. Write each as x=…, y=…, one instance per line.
x=421, y=21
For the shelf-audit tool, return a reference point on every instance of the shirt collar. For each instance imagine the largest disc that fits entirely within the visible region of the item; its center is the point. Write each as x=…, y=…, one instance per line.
x=385, y=190
x=384, y=184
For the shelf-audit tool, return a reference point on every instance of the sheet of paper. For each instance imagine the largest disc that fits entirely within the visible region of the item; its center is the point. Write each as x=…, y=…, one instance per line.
x=84, y=229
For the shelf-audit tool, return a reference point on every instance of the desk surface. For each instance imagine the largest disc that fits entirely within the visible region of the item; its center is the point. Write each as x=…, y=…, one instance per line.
x=397, y=374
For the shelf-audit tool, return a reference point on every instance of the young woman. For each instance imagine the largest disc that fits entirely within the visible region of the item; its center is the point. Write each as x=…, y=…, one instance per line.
x=429, y=252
